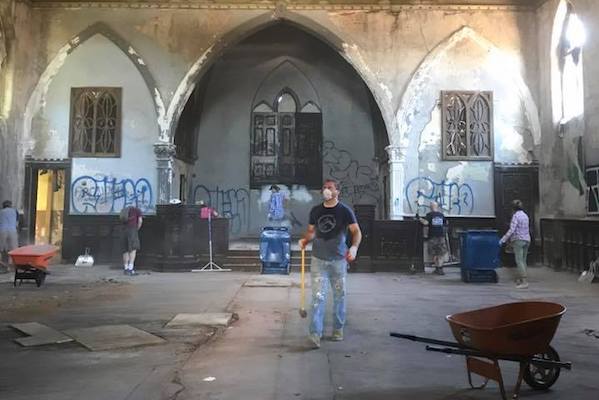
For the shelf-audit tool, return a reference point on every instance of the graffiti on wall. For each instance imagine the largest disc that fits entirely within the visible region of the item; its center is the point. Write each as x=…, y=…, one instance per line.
x=359, y=183
x=453, y=198
x=231, y=203
x=104, y=194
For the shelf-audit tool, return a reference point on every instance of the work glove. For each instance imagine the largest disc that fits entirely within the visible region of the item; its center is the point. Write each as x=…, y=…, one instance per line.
x=352, y=253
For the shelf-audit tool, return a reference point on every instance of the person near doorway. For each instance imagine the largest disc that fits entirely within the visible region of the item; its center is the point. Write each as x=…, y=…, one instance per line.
x=437, y=244
x=519, y=236
x=327, y=229
x=132, y=218
x=9, y=221
x=276, y=206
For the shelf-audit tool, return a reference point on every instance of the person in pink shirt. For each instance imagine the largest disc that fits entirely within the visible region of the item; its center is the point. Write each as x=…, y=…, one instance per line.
x=519, y=236
x=206, y=211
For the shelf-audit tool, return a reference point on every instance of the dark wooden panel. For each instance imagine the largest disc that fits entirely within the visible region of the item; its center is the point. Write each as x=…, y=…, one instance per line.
x=401, y=243
x=101, y=233
x=173, y=239
x=365, y=214
x=570, y=244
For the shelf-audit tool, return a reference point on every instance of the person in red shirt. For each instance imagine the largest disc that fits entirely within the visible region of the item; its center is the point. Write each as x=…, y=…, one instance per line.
x=130, y=240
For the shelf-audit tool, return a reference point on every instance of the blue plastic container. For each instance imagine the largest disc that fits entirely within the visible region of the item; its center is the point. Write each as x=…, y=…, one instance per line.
x=275, y=250
x=480, y=249
x=479, y=275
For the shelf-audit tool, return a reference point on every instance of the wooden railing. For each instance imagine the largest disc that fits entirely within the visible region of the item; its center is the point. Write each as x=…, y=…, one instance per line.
x=399, y=244
x=570, y=244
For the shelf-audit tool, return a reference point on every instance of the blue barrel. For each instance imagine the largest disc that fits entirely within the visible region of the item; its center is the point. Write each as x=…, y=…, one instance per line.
x=275, y=250
x=480, y=249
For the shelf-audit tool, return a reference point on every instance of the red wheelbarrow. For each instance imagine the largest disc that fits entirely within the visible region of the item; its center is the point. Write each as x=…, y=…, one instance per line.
x=31, y=262
x=519, y=332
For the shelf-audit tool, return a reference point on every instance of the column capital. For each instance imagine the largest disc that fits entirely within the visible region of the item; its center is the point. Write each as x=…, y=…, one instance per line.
x=397, y=154
x=165, y=153
x=164, y=150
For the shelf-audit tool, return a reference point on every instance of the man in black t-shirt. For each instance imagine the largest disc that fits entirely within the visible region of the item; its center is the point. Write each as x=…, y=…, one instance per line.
x=437, y=247
x=328, y=226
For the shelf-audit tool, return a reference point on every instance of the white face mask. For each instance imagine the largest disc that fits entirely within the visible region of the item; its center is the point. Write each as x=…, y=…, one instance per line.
x=327, y=194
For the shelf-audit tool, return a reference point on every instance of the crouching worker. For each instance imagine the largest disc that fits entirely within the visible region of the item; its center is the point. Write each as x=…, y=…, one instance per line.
x=436, y=244
x=327, y=229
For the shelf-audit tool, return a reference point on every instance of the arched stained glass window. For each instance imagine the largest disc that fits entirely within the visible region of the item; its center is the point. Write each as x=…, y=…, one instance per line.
x=286, y=142
x=95, y=128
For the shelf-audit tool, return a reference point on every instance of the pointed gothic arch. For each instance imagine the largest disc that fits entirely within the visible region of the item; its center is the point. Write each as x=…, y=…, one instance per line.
x=205, y=61
x=38, y=95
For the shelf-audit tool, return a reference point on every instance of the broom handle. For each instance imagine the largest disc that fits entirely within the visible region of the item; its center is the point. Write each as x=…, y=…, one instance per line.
x=303, y=295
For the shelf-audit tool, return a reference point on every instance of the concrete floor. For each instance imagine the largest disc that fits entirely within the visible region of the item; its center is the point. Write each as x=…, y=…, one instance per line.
x=264, y=354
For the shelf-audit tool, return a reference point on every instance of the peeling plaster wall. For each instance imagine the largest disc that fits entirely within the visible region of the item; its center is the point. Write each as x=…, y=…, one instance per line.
x=255, y=71
x=464, y=62
x=385, y=46
x=99, y=184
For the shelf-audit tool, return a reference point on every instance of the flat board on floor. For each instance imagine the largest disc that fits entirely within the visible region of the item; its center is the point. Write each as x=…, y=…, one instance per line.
x=269, y=281
x=203, y=319
x=109, y=337
x=39, y=335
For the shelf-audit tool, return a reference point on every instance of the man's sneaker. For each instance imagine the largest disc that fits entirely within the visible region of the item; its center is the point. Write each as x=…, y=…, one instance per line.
x=522, y=285
x=133, y=272
x=314, y=340
x=337, y=336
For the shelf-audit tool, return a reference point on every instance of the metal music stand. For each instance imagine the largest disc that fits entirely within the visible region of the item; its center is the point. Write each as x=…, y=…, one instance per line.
x=211, y=266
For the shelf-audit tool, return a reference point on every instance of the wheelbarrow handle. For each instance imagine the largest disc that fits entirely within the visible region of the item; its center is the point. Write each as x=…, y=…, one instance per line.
x=428, y=340
x=473, y=353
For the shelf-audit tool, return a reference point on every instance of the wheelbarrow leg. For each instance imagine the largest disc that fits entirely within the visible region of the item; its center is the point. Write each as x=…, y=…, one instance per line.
x=523, y=367
x=470, y=378
x=488, y=370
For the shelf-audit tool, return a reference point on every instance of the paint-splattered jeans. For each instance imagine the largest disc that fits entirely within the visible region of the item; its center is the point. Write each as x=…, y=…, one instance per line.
x=520, y=253
x=325, y=273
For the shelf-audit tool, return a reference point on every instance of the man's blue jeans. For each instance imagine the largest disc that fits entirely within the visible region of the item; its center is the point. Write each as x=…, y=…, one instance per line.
x=325, y=273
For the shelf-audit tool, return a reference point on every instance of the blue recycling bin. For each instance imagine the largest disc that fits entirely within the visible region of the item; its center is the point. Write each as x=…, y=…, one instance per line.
x=275, y=250
x=480, y=255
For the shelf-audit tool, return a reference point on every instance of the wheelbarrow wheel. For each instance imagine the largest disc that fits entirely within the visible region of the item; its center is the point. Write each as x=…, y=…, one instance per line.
x=539, y=377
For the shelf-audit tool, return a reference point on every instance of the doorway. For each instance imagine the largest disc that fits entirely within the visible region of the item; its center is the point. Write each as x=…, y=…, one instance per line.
x=516, y=181
x=46, y=201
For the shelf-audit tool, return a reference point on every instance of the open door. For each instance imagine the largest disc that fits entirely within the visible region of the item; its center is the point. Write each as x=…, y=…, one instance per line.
x=46, y=194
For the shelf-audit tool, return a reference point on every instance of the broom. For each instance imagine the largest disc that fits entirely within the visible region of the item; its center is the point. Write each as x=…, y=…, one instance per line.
x=302, y=310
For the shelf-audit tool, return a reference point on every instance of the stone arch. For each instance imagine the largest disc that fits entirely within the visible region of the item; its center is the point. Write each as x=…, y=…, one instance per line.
x=411, y=102
x=350, y=53
x=38, y=95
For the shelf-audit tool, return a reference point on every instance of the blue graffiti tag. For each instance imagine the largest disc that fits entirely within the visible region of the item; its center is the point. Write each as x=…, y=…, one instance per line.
x=231, y=203
x=453, y=198
x=106, y=195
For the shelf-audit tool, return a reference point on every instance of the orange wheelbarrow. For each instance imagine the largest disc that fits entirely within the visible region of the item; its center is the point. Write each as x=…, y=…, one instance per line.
x=31, y=262
x=519, y=332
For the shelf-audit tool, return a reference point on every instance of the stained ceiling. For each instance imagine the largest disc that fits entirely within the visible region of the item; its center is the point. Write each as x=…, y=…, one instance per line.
x=523, y=3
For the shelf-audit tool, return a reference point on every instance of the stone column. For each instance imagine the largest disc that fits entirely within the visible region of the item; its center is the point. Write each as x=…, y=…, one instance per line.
x=397, y=159
x=164, y=162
